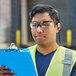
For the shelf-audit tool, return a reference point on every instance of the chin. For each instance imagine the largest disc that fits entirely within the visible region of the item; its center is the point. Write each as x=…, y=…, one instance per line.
x=40, y=42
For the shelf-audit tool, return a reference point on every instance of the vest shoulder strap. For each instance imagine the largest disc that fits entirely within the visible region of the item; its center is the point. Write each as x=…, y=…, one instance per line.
x=67, y=62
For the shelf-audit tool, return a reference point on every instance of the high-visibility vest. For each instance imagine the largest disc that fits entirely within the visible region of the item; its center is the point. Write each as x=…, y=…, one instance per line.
x=56, y=66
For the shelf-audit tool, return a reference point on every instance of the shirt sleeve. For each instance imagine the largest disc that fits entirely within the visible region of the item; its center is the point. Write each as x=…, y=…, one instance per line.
x=73, y=73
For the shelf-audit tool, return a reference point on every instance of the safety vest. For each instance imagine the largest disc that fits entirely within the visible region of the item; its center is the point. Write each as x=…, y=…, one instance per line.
x=56, y=66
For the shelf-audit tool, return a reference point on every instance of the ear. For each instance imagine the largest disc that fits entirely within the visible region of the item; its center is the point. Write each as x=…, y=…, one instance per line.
x=58, y=27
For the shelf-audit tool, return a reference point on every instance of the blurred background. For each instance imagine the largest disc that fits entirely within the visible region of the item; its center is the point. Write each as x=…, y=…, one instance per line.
x=14, y=22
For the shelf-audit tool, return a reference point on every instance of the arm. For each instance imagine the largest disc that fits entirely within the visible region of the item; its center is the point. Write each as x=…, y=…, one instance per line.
x=73, y=73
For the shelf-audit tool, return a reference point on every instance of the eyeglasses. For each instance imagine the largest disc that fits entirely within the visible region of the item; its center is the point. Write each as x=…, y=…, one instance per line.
x=42, y=24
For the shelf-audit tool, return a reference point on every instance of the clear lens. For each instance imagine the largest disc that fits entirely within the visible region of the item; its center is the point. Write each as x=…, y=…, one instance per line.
x=42, y=24
x=33, y=25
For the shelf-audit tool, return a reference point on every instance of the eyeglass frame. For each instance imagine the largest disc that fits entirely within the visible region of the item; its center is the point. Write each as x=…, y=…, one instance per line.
x=38, y=24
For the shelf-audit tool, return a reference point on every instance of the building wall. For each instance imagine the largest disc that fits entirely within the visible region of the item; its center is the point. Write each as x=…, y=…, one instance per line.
x=5, y=20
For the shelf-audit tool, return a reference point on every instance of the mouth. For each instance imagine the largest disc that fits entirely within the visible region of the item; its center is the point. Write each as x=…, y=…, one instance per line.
x=40, y=36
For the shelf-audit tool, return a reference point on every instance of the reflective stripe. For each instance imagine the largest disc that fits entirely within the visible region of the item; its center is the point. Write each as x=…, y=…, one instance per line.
x=67, y=62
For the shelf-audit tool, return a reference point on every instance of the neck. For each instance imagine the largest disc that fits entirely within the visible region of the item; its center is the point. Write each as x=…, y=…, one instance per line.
x=46, y=49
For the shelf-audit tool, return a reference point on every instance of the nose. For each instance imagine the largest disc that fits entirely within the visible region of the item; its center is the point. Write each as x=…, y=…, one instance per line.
x=39, y=29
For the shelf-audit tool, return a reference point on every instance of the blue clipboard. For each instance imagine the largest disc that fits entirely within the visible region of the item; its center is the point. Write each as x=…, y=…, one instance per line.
x=20, y=62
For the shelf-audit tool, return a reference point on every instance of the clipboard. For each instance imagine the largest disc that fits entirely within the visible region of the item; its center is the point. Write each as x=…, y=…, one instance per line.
x=20, y=62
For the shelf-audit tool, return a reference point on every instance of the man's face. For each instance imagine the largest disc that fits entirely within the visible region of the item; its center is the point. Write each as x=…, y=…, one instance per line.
x=42, y=35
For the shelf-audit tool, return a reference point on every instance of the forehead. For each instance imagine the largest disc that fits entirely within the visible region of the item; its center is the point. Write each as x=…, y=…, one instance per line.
x=42, y=17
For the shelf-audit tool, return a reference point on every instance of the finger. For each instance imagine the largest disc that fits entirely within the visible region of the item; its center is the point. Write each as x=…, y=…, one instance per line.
x=6, y=72
x=3, y=67
x=8, y=75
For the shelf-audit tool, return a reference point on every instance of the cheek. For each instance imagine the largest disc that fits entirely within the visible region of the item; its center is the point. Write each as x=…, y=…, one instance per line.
x=33, y=33
x=51, y=33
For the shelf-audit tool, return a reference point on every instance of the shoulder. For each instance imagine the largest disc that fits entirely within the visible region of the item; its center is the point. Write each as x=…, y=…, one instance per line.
x=63, y=49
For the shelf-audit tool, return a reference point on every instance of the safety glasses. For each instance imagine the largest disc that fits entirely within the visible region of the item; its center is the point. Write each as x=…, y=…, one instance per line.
x=42, y=24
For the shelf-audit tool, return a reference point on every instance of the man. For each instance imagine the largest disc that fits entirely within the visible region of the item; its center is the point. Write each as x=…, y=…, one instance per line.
x=48, y=56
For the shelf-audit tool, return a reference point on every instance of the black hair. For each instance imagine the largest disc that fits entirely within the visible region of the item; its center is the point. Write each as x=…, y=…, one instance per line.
x=40, y=8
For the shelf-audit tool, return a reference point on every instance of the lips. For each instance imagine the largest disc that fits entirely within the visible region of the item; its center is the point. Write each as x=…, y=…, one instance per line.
x=40, y=36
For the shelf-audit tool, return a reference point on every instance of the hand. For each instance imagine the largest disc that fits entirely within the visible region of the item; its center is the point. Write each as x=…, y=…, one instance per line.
x=4, y=71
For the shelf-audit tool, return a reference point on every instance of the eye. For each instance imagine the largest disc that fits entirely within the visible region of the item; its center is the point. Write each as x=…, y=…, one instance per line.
x=34, y=26
x=43, y=26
